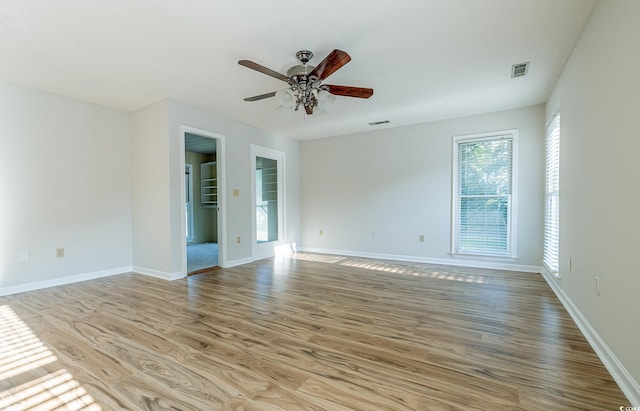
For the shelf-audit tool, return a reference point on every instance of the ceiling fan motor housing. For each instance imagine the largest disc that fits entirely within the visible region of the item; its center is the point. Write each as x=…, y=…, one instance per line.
x=300, y=70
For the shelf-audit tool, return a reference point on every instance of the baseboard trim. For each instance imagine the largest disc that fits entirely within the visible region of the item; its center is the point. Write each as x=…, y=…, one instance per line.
x=38, y=285
x=623, y=378
x=494, y=265
x=241, y=261
x=163, y=275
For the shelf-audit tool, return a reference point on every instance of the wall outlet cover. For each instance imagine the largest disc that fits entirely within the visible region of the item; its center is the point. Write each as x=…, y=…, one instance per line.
x=23, y=256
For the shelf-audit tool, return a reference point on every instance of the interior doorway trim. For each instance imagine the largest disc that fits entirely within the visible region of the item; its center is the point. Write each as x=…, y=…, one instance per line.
x=222, y=190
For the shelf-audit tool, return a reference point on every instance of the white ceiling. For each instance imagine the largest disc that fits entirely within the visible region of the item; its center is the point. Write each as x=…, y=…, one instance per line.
x=426, y=59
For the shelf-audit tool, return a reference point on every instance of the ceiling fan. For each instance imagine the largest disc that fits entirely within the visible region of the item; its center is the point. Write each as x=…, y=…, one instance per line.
x=305, y=82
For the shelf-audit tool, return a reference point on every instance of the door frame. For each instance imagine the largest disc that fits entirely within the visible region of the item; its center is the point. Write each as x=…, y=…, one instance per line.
x=222, y=190
x=267, y=249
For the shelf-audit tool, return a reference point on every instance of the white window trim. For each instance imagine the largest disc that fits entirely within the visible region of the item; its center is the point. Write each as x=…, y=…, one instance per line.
x=513, y=218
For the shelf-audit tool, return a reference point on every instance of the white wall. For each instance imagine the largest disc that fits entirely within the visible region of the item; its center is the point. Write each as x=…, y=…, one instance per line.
x=397, y=182
x=64, y=182
x=240, y=211
x=597, y=95
x=150, y=181
x=106, y=186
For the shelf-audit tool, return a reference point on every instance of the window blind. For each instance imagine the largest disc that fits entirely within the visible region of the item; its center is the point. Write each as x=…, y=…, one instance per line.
x=551, y=249
x=483, y=198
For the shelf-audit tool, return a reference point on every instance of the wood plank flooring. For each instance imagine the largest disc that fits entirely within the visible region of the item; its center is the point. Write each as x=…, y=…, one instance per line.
x=307, y=332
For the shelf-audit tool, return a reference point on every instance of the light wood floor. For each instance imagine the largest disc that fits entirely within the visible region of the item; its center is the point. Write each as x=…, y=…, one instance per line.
x=298, y=333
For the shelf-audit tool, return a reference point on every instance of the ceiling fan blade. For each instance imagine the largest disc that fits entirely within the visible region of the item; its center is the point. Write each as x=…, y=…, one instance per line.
x=262, y=69
x=331, y=63
x=261, y=96
x=348, y=91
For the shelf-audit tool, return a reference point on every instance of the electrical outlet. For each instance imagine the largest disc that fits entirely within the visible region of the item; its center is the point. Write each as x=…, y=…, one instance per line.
x=238, y=239
x=236, y=192
x=321, y=231
x=597, y=280
x=23, y=256
x=59, y=252
x=421, y=238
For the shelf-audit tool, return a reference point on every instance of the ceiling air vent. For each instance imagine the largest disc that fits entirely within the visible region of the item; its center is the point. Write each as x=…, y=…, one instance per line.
x=377, y=123
x=519, y=70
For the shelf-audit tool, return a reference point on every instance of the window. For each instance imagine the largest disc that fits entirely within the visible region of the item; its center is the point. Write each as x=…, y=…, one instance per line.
x=551, y=253
x=484, y=195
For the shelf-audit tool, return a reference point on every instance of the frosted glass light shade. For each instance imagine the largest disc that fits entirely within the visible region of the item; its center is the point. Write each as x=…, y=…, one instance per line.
x=325, y=99
x=285, y=98
x=319, y=112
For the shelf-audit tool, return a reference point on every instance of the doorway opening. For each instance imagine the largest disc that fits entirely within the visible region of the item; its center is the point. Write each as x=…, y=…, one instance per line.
x=188, y=204
x=202, y=207
x=266, y=199
x=268, y=196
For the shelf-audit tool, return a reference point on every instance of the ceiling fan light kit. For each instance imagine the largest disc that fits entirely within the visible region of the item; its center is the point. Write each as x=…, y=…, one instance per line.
x=305, y=83
x=286, y=98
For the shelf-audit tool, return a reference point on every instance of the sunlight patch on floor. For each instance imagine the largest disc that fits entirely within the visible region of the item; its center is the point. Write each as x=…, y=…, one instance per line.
x=21, y=352
x=20, y=349
x=392, y=268
x=54, y=391
x=320, y=258
x=413, y=271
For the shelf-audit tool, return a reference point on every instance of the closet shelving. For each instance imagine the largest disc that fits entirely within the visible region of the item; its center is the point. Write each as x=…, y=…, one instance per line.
x=208, y=184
